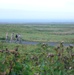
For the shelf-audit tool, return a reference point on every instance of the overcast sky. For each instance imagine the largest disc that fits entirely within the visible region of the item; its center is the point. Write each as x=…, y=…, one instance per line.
x=37, y=9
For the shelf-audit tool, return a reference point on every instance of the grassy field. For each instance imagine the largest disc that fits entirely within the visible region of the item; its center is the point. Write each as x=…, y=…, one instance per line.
x=47, y=33
x=40, y=59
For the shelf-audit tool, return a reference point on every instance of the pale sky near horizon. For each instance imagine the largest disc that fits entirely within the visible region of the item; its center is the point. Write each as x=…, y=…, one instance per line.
x=37, y=9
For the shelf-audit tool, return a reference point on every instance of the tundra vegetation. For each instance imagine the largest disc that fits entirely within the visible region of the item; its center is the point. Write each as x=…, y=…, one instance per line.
x=40, y=59
x=43, y=33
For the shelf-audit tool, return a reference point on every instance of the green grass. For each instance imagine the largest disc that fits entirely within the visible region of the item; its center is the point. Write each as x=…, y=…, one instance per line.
x=40, y=59
x=47, y=33
x=35, y=60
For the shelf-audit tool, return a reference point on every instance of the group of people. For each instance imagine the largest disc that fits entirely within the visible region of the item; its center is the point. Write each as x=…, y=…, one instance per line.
x=13, y=37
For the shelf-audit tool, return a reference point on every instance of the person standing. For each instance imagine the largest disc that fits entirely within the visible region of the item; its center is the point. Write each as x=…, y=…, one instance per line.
x=7, y=36
x=12, y=37
x=19, y=38
x=16, y=36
